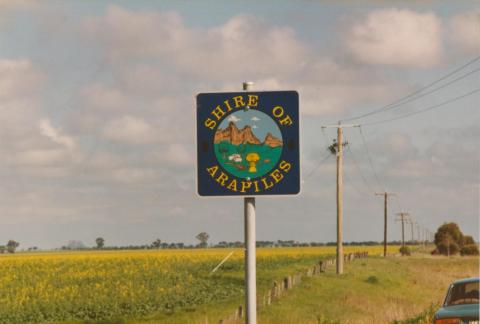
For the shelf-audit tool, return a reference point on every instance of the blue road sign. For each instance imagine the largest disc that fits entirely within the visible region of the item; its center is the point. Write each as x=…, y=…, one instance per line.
x=248, y=143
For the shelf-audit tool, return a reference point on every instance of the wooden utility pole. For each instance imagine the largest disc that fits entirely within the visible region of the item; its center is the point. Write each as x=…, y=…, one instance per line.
x=425, y=238
x=411, y=227
x=385, y=195
x=418, y=233
x=339, y=201
x=403, y=217
x=339, y=152
x=416, y=225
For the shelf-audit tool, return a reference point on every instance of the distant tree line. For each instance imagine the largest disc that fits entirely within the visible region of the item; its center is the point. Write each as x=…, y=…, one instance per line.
x=292, y=243
x=158, y=244
x=448, y=240
x=12, y=245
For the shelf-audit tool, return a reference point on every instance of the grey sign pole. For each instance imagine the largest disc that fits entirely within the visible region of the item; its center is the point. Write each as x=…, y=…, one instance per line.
x=250, y=253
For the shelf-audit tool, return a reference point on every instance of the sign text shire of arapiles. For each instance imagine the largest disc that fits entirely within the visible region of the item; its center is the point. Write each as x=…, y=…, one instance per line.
x=248, y=143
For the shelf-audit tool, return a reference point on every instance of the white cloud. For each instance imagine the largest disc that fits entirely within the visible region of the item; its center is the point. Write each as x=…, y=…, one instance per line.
x=9, y=5
x=465, y=31
x=120, y=28
x=397, y=37
x=231, y=49
x=242, y=48
x=234, y=119
x=39, y=157
x=55, y=135
x=129, y=130
x=104, y=98
x=177, y=154
x=132, y=175
x=18, y=77
x=399, y=146
x=334, y=99
x=21, y=85
x=255, y=118
x=177, y=211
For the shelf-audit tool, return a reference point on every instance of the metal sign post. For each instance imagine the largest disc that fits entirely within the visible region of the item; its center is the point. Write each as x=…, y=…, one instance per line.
x=250, y=252
x=250, y=261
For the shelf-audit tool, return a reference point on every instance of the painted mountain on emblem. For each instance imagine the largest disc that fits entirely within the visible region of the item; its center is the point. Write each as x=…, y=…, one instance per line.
x=235, y=136
x=272, y=141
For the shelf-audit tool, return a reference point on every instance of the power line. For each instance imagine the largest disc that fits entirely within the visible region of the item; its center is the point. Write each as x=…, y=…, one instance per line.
x=401, y=100
x=325, y=137
x=431, y=91
x=370, y=158
x=397, y=201
x=370, y=188
x=325, y=158
x=423, y=110
x=354, y=186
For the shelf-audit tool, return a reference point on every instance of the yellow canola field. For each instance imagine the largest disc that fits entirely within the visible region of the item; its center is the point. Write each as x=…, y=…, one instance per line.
x=54, y=286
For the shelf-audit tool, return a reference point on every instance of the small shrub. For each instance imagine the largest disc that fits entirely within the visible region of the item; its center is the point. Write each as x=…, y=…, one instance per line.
x=470, y=249
x=372, y=280
x=405, y=250
x=425, y=317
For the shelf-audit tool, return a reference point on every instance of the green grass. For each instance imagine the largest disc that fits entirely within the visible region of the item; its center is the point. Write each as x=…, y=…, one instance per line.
x=373, y=290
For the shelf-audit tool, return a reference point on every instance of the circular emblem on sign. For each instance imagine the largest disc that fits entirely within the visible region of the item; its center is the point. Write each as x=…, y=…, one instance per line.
x=248, y=144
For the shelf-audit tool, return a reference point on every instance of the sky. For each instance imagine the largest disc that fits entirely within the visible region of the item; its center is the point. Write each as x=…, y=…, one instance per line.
x=97, y=115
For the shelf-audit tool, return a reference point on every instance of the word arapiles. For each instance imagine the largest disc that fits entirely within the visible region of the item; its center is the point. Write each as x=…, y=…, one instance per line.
x=246, y=186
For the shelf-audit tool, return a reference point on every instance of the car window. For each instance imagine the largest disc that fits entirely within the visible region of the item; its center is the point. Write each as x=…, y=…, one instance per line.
x=464, y=293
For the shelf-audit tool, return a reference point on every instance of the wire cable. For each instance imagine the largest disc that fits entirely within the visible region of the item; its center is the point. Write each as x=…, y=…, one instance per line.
x=428, y=92
x=370, y=159
x=354, y=186
x=370, y=188
x=325, y=137
x=324, y=159
x=397, y=201
x=402, y=100
x=422, y=110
